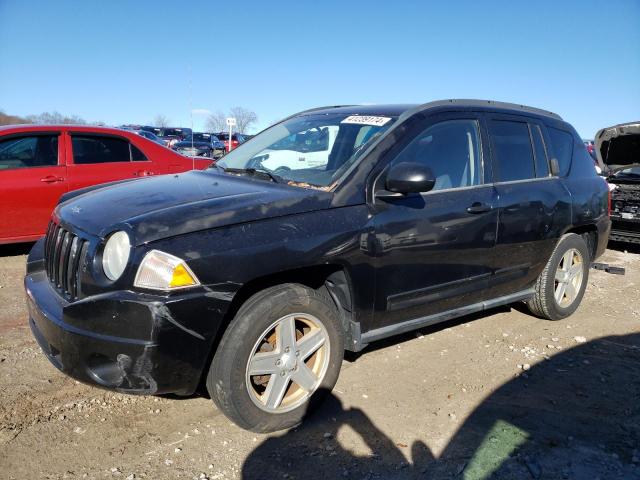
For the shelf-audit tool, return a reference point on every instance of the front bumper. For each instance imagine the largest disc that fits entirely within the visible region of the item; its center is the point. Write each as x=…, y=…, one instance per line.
x=124, y=340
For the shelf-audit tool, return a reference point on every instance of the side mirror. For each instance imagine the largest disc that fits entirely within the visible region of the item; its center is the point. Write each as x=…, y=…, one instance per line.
x=409, y=177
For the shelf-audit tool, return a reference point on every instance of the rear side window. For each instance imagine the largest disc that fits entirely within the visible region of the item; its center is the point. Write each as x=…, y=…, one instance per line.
x=561, y=148
x=89, y=149
x=136, y=154
x=512, y=151
x=29, y=152
x=542, y=164
x=451, y=149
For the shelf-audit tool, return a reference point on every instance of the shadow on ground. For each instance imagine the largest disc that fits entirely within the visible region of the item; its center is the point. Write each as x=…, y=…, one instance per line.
x=574, y=416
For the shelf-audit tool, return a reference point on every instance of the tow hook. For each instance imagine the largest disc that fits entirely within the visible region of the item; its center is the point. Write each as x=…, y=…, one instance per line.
x=608, y=268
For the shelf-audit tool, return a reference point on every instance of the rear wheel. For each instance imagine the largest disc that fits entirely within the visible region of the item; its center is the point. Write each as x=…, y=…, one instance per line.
x=561, y=285
x=279, y=356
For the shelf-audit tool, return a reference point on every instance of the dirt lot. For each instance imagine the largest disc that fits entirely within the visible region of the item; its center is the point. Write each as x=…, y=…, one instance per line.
x=501, y=395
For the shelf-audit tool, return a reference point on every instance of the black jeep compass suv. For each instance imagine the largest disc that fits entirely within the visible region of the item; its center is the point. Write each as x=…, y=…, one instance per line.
x=254, y=276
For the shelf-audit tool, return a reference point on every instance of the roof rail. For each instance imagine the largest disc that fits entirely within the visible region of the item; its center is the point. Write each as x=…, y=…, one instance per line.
x=488, y=103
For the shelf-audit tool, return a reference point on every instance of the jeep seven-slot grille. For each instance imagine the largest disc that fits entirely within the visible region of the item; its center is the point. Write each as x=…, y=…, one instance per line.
x=64, y=253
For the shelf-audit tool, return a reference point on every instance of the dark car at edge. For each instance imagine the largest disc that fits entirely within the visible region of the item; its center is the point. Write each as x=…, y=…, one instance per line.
x=254, y=276
x=618, y=152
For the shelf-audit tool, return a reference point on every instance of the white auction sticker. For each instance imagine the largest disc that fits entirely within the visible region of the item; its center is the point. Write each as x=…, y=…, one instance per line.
x=366, y=120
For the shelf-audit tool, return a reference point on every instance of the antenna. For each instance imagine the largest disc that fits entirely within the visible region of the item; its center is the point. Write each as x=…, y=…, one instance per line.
x=193, y=160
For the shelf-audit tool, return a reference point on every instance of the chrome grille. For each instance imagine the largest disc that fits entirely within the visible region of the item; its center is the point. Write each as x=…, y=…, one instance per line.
x=64, y=253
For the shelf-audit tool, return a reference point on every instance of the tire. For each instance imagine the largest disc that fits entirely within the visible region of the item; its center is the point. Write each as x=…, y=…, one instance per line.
x=545, y=303
x=254, y=341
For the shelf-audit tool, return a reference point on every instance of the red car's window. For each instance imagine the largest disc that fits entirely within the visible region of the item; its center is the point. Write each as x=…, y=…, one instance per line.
x=29, y=152
x=97, y=149
x=137, y=155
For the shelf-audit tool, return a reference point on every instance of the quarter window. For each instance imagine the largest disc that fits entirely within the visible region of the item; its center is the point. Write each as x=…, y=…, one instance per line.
x=512, y=150
x=29, y=152
x=136, y=154
x=562, y=147
x=96, y=149
x=451, y=149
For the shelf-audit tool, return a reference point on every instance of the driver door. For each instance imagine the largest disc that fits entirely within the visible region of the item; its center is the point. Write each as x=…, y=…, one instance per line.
x=435, y=250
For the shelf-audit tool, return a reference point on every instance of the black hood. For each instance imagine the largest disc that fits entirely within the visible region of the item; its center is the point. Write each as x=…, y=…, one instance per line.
x=618, y=147
x=159, y=207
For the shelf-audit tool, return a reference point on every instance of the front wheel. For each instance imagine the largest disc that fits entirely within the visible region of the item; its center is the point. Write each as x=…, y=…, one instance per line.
x=561, y=285
x=281, y=354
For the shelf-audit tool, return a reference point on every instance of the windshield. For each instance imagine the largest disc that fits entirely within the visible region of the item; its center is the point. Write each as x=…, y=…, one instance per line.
x=173, y=132
x=312, y=150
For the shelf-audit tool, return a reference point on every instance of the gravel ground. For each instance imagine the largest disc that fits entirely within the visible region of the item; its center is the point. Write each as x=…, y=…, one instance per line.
x=500, y=395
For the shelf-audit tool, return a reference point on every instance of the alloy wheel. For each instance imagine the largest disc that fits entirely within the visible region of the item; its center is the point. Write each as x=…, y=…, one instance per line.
x=568, y=278
x=288, y=363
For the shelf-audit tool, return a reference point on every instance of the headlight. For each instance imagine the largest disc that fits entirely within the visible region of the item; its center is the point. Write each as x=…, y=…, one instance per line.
x=162, y=271
x=116, y=255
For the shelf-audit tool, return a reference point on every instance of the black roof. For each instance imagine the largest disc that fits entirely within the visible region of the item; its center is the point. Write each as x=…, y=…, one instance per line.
x=393, y=109
x=399, y=109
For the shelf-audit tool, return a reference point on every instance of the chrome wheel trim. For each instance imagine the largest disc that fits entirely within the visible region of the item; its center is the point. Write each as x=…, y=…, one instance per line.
x=284, y=378
x=568, y=278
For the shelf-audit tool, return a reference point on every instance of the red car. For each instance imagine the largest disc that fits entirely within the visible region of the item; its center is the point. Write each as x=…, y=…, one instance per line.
x=39, y=163
x=236, y=140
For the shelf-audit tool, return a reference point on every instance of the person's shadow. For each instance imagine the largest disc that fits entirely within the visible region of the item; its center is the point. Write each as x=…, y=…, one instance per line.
x=573, y=416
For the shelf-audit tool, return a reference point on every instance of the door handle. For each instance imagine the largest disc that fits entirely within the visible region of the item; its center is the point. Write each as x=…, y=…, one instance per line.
x=477, y=207
x=142, y=173
x=51, y=179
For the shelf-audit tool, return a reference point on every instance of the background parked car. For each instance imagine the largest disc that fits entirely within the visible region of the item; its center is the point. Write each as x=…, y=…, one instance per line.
x=236, y=139
x=150, y=136
x=39, y=163
x=200, y=145
x=170, y=136
x=618, y=151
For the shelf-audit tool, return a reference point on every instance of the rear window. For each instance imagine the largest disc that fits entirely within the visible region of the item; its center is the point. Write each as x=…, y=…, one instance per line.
x=96, y=149
x=512, y=151
x=561, y=148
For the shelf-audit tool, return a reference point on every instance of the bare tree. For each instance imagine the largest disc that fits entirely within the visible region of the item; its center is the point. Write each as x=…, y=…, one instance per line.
x=216, y=122
x=55, y=118
x=244, y=118
x=161, y=121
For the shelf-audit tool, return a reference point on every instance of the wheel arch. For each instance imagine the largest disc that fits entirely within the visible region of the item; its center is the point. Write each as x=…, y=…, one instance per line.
x=334, y=278
x=589, y=233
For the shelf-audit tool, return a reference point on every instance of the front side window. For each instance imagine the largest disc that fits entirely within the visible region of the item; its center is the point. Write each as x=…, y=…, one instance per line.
x=512, y=151
x=451, y=149
x=562, y=146
x=312, y=150
x=29, y=152
x=89, y=149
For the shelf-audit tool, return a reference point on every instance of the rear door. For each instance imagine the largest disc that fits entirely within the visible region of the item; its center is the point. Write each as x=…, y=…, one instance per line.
x=534, y=206
x=95, y=158
x=32, y=179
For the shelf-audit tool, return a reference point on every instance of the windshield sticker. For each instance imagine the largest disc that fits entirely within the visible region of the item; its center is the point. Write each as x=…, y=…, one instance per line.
x=366, y=120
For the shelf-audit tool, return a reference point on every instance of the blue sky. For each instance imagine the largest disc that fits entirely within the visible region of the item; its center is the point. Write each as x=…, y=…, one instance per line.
x=127, y=61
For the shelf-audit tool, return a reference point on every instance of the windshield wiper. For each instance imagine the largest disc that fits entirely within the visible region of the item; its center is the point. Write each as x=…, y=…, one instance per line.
x=254, y=172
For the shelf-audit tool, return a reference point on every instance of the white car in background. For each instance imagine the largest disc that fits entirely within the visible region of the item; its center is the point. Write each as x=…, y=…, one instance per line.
x=302, y=150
